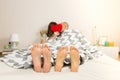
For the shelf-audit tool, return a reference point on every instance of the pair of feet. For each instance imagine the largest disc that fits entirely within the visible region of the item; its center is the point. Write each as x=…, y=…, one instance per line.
x=36, y=53
x=74, y=56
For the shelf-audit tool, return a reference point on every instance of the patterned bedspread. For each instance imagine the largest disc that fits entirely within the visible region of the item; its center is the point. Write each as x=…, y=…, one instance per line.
x=18, y=58
x=22, y=58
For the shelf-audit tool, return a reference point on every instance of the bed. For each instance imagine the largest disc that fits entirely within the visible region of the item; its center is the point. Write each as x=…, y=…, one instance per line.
x=102, y=68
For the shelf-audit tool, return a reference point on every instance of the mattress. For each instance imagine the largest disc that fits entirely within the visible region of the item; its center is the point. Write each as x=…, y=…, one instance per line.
x=102, y=68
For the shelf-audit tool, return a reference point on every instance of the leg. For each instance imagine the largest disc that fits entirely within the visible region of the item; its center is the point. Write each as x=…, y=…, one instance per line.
x=47, y=58
x=61, y=55
x=36, y=57
x=75, y=59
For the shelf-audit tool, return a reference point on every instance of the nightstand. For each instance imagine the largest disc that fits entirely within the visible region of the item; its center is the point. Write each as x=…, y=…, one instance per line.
x=1, y=54
x=110, y=51
x=5, y=52
x=119, y=56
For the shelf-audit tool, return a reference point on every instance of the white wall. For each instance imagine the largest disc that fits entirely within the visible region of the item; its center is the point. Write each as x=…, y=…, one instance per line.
x=27, y=17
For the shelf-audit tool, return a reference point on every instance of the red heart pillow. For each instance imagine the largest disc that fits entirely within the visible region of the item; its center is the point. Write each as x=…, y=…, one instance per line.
x=56, y=28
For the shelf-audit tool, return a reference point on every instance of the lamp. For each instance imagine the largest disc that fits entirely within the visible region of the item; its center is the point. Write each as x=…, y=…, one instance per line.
x=14, y=39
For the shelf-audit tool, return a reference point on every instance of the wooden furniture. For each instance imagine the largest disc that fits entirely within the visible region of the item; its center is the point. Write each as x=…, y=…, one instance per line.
x=5, y=52
x=119, y=56
x=0, y=53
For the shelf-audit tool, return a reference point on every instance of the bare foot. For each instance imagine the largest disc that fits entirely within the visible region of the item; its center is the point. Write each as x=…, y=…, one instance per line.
x=36, y=57
x=61, y=55
x=47, y=59
x=75, y=59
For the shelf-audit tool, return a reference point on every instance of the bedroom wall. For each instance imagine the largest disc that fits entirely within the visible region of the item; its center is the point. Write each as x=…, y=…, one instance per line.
x=27, y=17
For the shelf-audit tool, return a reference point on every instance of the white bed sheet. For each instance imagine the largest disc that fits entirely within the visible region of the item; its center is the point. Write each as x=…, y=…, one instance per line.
x=102, y=68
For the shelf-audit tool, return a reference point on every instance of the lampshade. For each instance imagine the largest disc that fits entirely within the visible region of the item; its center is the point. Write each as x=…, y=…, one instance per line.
x=14, y=37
